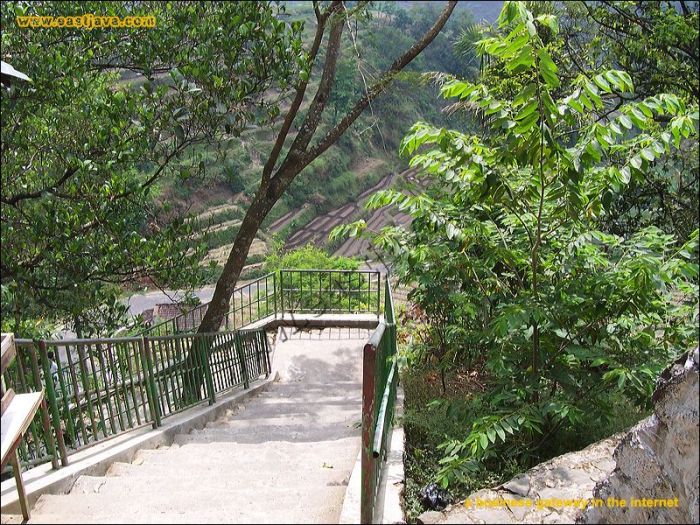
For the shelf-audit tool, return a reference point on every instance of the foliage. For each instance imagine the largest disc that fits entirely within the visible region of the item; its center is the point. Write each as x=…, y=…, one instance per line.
x=508, y=257
x=657, y=44
x=103, y=119
x=309, y=258
x=321, y=291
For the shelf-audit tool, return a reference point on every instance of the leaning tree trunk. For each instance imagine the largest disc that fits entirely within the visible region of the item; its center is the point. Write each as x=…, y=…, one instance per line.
x=262, y=203
x=301, y=153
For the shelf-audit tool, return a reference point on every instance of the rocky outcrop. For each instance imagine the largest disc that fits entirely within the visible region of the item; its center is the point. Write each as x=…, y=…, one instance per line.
x=647, y=475
x=552, y=492
x=657, y=461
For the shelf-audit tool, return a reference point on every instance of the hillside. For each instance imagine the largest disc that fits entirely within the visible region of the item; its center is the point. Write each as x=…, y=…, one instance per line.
x=365, y=157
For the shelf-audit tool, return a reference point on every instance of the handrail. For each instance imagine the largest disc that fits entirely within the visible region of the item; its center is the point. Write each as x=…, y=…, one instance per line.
x=381, y=416
x=100, y=387
x=379, y=383
x=284, y=291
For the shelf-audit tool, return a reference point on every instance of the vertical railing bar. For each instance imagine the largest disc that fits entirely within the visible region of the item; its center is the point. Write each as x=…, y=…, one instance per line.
x=110, y=412
x=131, y=351
x=163, y=374
x=241, y=357
x=65, y=398
x=116, y=381
x=76, y=394
x=178, y=372
x=206, y=364
x=44, y=411
x=96, y=385
x=230, y=363
x=86, y=387
x=216, y=369
x=116, y=370
x=53, y=405
x=282, y=292
x=151, y=395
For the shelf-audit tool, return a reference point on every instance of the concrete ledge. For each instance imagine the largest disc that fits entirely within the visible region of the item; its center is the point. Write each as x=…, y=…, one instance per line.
x=350, y=511
x=389, y=507
x=389, y=504
x=95, y=460
x=316, y=321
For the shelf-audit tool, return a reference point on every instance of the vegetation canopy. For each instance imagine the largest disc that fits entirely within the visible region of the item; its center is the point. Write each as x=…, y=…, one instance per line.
x=513, y=271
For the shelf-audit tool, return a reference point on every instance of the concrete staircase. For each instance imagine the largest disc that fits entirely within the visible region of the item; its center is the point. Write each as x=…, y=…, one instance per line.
x=285, y=457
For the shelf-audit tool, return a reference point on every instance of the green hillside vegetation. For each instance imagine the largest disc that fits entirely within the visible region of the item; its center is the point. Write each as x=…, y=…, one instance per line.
x=230, y=171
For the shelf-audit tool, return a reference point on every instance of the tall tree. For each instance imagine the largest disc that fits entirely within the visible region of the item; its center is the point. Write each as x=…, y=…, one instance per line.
x=280, y=170
x=108, y=113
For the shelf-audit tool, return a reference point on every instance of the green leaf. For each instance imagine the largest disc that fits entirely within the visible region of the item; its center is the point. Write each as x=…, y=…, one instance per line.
x=625, y=121
x=483, y=441
x=549, y=21
x=501, y=433
x=524, y=60
x=179, y=133
x=491, y=433
x=548, y=69
x=647, y=154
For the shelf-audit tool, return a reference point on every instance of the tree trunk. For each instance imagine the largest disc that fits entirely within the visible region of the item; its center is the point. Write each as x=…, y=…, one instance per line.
x=301, y=152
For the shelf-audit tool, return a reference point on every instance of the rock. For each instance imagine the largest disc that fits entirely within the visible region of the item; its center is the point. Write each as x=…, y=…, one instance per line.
x=658, y=459
x=519, y=485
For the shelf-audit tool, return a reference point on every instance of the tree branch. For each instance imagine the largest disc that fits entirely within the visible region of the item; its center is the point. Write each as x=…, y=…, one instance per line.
x=378, y=87
x=318, y=104
x=38, y=193
x=300, y=92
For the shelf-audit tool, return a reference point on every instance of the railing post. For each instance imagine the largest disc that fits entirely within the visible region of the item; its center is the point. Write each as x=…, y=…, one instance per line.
x=241, y=358
x=367, y=460
x=50, y=445
x=147, y=367
x=274, y=293
x=266, y=350
x=53, y=405
x=206, y=362
x=282, y=291
x=379, y=292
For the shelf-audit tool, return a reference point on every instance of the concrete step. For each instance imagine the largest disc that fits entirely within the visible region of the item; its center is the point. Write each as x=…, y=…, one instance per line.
x=145, y=454
x=284, y=457
x=212, y=506
x=273, y=458
x=118, y=469
x=88, y=485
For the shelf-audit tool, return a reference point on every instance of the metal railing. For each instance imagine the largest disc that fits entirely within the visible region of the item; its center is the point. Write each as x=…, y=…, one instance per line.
x=100, y=388
x=379, y=382
x=288, y=291
x=330, y=291
x=103, y=387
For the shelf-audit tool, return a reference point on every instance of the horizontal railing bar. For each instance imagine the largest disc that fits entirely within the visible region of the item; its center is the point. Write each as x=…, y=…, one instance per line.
x=376, y=337
x=311, y=270
x=97, y=340
x=185, y=336
x=381, y=416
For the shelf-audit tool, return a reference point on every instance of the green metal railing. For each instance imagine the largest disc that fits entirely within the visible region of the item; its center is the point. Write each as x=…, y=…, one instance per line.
x=288, y=291
x=252, y=302
x=100, y=388
x=103, y=387
x=330, y=291
x=379, y=383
